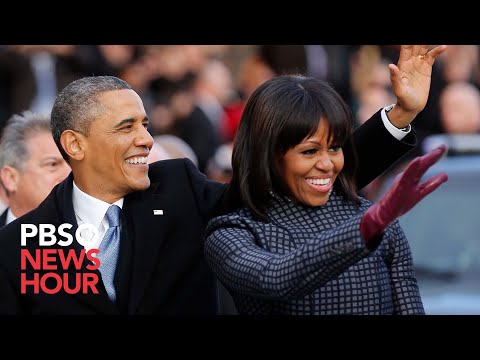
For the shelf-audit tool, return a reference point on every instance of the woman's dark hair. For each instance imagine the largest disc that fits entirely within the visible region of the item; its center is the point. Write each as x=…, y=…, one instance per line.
x=279, y=115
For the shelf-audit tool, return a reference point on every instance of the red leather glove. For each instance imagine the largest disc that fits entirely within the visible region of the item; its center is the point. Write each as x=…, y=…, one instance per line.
x=403, y=195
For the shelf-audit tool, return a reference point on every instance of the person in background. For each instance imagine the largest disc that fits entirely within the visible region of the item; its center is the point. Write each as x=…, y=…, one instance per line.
x=30, y=163
x=460, y=108
x=304, y=243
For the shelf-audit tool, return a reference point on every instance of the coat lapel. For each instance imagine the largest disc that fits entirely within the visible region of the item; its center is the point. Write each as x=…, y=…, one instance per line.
x=148, y=228
x=64, y=213
x=3, y=218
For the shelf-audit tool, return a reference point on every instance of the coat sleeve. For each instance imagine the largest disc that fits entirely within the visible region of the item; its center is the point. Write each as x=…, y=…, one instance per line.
x=377, y=149
x=242, y=266
x=208, y=194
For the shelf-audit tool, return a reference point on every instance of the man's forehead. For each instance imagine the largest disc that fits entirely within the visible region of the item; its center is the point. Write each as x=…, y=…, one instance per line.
x=120, y=105
x=119, y=96
x=39, y=137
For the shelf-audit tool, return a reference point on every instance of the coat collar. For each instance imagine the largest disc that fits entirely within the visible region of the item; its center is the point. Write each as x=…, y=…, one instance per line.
x=3, y=218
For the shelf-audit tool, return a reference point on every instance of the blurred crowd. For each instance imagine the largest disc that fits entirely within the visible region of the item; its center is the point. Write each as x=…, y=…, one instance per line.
x=194, y=94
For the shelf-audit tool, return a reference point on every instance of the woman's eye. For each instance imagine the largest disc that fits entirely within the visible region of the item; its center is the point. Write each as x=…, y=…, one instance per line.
x=335, y=148
x=309, y=151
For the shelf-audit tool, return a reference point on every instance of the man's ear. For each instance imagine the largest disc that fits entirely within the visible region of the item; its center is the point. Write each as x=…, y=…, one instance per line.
x=73, y=144
x=10, y=178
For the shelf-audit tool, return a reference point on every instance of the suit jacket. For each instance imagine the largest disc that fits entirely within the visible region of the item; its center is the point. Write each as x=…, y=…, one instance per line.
x=160, y=270
x=312, y=261
x=3, y=218
x=161, y=267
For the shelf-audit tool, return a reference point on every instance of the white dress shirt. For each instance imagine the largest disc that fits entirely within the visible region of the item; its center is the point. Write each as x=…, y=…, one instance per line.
x=10, y=216
x=89, y=210
x=399, y=134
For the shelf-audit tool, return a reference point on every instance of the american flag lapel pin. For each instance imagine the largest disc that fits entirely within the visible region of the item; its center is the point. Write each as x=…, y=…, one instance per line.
x=157, y=212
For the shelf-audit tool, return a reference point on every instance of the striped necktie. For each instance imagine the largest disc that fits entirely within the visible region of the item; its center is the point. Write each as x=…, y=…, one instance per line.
x=108, y=250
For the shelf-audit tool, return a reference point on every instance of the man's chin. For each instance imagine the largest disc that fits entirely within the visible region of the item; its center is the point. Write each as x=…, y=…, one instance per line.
x=137, y=183
x=142, y=185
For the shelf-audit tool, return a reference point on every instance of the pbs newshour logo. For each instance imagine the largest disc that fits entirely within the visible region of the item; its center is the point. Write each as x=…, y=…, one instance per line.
x=46, y=261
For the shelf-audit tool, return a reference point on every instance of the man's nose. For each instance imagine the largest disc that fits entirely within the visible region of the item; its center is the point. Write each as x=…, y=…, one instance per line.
x=144, y=138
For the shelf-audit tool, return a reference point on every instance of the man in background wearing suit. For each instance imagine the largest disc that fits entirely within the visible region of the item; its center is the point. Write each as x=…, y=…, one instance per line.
x=30, y=163
x=99, y=124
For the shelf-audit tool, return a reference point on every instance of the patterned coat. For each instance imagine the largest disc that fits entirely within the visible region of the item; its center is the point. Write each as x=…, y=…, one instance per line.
x=312, y=261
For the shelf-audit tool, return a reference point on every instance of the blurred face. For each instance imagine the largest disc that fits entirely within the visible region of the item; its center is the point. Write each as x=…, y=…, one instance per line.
x=372, y=99
x=460, y=109
x=254, y=73
x=117, y=148
x=460, y=62
x=117, y=55
x=44, y=169
x=310, y=168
